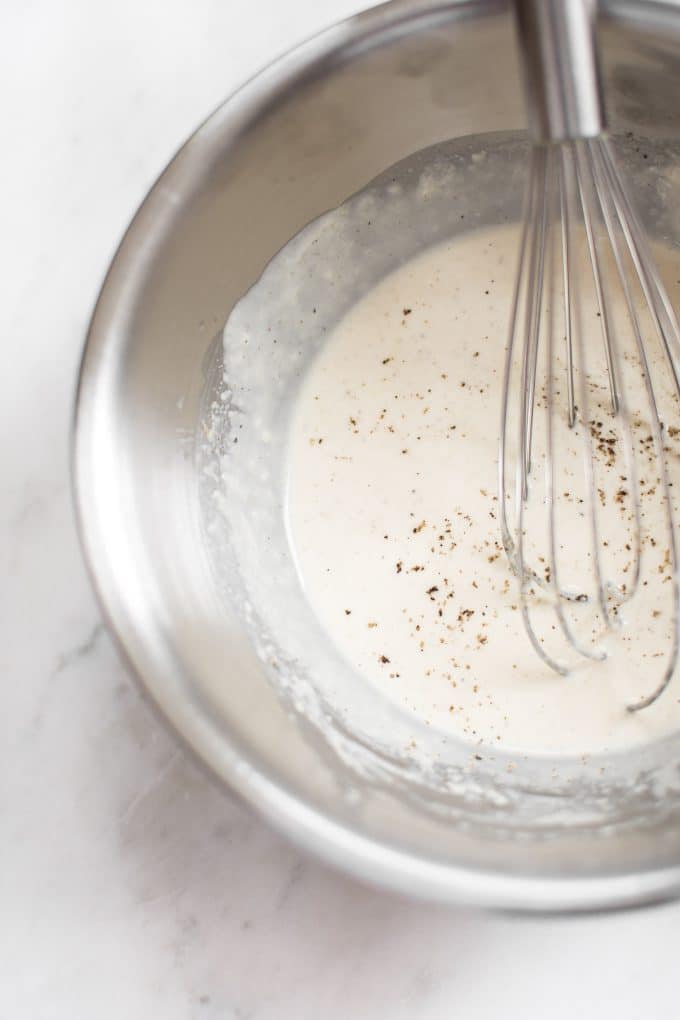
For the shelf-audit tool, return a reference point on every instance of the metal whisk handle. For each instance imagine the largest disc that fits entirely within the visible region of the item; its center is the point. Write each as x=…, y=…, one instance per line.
x=561, y=68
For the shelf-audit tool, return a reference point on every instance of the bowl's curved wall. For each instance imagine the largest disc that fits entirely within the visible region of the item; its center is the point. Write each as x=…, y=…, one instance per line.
x=296, y=141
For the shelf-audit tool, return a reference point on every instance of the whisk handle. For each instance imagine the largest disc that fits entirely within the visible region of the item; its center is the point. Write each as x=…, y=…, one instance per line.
x=561, y=68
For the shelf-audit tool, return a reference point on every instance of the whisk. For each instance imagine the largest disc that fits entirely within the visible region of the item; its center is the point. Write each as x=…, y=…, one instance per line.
x=577, y=202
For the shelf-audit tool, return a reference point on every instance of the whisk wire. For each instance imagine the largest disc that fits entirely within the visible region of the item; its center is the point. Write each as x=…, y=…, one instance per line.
x=656, y=295
x=541, y=314
x=561, y=214
x=530, y=202
x=593, y=202
x=574, y=339
x=567, y=290
x=607, y=168
x=535, y=297
x=597, y=160
x=533, y=315
x=574, y=208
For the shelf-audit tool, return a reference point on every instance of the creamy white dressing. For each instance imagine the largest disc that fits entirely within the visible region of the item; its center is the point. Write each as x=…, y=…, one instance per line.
x=393, y=517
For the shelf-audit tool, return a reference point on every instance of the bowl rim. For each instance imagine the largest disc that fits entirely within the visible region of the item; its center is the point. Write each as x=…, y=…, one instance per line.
x=310, y=828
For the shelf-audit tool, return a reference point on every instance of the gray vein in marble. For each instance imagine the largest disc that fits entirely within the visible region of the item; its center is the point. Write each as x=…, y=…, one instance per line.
x=151, y=786
x=80, y=651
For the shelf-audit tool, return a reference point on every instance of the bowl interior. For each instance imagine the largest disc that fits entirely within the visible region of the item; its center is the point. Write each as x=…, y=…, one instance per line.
x=175, y=542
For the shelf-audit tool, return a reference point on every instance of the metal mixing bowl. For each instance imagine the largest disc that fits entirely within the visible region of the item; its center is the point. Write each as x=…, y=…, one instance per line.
x=298, y=140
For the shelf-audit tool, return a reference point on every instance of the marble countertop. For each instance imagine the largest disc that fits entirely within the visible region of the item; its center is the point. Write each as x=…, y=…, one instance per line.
x=130, y=887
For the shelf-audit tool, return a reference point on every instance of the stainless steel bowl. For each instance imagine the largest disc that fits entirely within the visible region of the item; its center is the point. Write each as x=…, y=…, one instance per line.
x=297, y=140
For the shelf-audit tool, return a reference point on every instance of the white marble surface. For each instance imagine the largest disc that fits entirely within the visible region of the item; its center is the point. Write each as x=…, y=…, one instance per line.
x=129, y=887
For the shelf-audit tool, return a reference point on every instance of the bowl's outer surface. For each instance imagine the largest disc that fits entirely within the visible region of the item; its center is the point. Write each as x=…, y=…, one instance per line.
x=295, y=141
